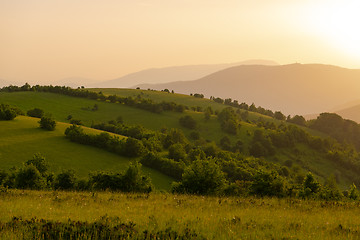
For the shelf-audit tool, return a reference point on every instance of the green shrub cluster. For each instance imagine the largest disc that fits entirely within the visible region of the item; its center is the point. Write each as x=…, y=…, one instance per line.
x=34, y=174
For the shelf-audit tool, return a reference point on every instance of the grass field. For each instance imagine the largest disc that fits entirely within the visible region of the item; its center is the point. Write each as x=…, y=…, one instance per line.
x=61, y=106
x=21, y=138
x=204, y=217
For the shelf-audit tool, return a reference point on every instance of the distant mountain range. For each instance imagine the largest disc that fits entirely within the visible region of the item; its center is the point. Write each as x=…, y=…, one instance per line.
x=171, y=74
x=292, y=89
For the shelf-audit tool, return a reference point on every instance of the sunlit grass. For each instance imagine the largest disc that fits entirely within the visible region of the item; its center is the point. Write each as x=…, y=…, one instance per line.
x=21, y=138
x=209, y=217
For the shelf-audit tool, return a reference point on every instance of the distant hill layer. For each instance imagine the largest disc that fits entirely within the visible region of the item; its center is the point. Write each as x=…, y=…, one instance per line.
x=293, y=89
x=171, y=74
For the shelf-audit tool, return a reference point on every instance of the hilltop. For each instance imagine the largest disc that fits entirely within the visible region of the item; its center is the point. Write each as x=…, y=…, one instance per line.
x=292, y=89
x=170, y=74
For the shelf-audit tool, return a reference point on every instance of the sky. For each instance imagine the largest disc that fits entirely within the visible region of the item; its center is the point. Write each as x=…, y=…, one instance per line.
x=47, y=40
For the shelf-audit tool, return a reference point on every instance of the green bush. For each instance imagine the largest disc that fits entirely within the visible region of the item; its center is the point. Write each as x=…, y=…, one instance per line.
x=47, y=123
x=36, y=112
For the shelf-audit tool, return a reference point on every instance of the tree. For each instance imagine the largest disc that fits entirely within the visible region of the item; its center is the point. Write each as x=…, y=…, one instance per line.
x=7, y=112
x=65, y=180
x=279, y=116
x=28, y=177
x=177, y=152
x=39, y=162
x=268, y=184
x=48, y=123
x=310, y=185
x=133, y=179
x=201, y=177
x=133, y=147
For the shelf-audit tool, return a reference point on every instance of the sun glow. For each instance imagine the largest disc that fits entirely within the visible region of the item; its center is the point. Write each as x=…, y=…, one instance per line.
x=338, y=22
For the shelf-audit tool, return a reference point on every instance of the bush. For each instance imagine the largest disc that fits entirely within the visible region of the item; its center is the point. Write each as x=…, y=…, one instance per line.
x=7, y=112
x=177, y=152
x=36, y=112
x=201, y=177
x=47, y=123
x=28, y=177
x=65, y=180
x=268, y=184
x=39, y=162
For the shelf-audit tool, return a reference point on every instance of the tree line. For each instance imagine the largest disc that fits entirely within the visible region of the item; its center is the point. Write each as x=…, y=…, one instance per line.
x=137, y=102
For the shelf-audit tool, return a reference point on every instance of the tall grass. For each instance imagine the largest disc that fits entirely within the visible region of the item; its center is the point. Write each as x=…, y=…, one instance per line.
x=188, y=216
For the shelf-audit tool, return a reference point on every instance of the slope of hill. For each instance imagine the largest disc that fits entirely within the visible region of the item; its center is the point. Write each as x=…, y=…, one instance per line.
x=21, y=138
x=301, y=156
x=176, y=73
x=292, y=89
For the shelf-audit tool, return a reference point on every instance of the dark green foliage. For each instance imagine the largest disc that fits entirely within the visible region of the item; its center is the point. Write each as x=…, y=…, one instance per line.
x=28, y=177
x=133, y=147
x=177, y=152
x=198, y=95
x=228, y=120
x=132, y=180
x=173, y=136
x=188, y=122
x=36, y=112
x=196, y=154
x=279, y=116
x=261, y=145
x=201, y=177
x=39, y=162
x=65, y=180
x=310, y=185
x=48, y=123
x=7, y=112
x=299, y=120
x=338, y=128
x=268, y=184
x=130, y=147
x=76, y=122
x=164, y=165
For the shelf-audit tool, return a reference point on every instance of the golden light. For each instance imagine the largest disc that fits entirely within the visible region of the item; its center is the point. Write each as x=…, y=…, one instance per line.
x=337, y=22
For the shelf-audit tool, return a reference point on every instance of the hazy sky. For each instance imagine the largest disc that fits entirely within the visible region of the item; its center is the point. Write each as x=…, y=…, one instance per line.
x=47, y=40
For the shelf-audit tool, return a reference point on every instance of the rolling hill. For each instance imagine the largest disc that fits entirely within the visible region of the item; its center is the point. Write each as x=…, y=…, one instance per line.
x=302, y=157
x=170, y=74
x=292, y=89
x=22, y=138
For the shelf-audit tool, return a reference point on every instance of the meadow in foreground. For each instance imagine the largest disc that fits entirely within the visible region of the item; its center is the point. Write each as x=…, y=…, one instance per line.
x=98, y=215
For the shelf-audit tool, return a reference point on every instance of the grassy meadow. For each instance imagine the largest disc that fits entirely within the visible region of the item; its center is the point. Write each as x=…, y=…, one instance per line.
x=190, y=217
x=60, y=106
x=22, y=138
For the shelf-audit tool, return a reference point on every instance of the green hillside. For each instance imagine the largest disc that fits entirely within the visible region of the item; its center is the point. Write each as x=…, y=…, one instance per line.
x=299, y=159
x=22, y=138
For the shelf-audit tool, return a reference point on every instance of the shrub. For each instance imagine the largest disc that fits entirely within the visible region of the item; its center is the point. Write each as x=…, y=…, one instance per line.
x=201, y=177
x=47, y=123
x=28, y=177
x=36, y=112
x=7, y=112
x=65, y=180
x=39, y=162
